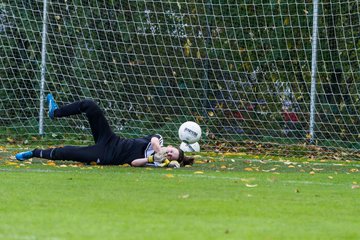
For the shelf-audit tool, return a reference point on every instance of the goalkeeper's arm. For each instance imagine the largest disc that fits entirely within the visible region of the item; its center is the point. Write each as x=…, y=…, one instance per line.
x=159, y=159
x=140, y=162
x=155, y=142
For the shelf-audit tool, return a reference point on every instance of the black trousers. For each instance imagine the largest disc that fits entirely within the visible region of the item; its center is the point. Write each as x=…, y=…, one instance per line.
x=100, y=129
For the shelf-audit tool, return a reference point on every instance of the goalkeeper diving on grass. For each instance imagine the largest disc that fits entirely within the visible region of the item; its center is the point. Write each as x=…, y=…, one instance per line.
x=109, y=149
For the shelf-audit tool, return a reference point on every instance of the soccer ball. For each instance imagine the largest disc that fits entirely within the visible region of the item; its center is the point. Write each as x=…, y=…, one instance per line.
x=190, y=132
x=186, y=147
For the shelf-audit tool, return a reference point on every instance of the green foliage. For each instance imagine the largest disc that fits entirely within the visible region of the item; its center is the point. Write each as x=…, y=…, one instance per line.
x=188, y=59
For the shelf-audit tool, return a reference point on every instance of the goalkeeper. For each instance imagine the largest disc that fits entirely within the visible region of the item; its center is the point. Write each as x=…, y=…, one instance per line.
x=109, y=149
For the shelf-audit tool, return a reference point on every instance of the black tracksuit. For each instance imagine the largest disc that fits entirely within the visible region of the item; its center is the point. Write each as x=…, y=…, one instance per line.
x=109, y=149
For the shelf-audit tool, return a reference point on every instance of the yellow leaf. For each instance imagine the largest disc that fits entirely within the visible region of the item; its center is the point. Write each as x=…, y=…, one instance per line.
x=211, y=114
x=199, y=172
x=169, y=175
x=312, y=173
x=241, y=50
x=184, y=196
x=317, y=169
x=198, y=54
x=247, y=179
x=201, y=161
x=223, y=167
x=248, y=169
x=86, y=168
x=10, y=163
x=187, y=47
x=286, y=21
x=51, y=163
x=251, y=185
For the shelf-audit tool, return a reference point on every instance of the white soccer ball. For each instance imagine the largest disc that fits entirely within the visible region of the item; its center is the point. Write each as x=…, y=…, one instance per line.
x=193, y=147
x=190, y=132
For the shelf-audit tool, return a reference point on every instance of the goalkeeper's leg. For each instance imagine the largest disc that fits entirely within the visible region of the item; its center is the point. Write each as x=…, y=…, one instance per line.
x=100, y=128
x=72, y=153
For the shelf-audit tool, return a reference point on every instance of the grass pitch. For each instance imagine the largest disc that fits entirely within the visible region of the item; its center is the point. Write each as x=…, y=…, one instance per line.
x=223, y=196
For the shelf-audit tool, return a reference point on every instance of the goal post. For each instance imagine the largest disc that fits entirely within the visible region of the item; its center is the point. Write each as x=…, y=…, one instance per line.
x=244, y=70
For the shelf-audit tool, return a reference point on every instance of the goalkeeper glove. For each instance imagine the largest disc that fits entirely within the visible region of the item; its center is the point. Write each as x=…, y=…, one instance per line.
x=174, y=164
x=163, y=164
x=158, y=157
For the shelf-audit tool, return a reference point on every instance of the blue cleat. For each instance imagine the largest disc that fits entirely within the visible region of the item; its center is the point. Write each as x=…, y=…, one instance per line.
x=24, y=155
x=52, y=105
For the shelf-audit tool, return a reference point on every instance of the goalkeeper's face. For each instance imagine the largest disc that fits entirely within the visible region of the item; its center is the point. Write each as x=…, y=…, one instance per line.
x=172, y=153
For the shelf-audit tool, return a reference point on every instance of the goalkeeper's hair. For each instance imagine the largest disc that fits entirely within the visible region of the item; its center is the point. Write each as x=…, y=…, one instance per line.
x=184, y=160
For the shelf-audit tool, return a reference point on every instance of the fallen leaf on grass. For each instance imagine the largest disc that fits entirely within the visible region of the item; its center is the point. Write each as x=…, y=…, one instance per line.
x=184, y=196
x=51, y=163
x=247, y=179
x=272, y=179
x=169, y=175
x=355, y=186
x=3, y=149
x=317, y=169
x=251, y=185
x=199, y=172
x=288, y=163
x=10, y=163
x=248, y=169
x=86, y=168
x=312, y=173
x=353, y=170
x=203, y=161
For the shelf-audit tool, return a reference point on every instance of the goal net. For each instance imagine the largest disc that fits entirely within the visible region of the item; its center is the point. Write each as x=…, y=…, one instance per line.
x=240, y=68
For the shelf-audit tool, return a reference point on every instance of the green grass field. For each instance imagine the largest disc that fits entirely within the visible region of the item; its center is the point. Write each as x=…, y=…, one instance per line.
x=223, y=196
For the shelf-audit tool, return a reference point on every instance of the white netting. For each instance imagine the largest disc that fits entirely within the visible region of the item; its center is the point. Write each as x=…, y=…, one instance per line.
x=241, y=69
